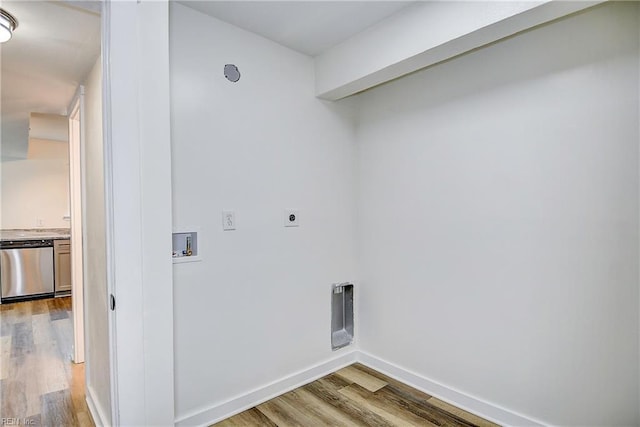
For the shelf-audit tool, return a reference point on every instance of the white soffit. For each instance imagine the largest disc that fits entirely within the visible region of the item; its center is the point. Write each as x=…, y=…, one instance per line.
x=424, y=34
x=309, y=27
x=52, y=127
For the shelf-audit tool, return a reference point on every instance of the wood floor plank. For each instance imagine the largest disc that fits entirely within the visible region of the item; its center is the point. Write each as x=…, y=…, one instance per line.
x=37, y=383
x=338, y=400
x=306, y=413
x=325, y=390
x=320, y=410
x=52, y=375
x=53, y=304
x=336, y=382
x=21, y=339
x=386, y=409
x=42, y=328
x=33, y=420
x=6, y=307
x=23, y=395
x=280, y=413
x=421, y=403
x=39, y=307
x=5, y=356
x=57, y=409
x=5, y=345
x=408, y=394
x=251, y=417
x=407, y=391
x=471, y=418
x=84, y=419
x=76, y=387
x=13, y=403
x=59, y=314
x=4, y=367
x=6, y=320
x=63, y=332
x=21, y=311
x=361, y=378
x=372, y=372
x=421, y=409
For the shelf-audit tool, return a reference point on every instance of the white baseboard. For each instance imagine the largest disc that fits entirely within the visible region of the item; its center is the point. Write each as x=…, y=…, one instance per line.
x=97, y=412
x=443, y=392
x=241, y=403
x=479, y=407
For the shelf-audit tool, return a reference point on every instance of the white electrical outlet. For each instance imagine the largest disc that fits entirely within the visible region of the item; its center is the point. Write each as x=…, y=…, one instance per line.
x=228, y=220
x=291, y=218
x=39, y=222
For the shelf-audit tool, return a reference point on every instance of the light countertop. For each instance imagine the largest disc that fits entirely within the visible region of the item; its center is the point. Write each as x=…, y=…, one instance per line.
x=35, y=234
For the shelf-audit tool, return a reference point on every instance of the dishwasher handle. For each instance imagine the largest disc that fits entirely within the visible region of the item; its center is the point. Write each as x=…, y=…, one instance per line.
x=21, y=244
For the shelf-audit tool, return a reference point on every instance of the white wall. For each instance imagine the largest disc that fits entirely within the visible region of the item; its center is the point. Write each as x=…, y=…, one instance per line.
x=256, y=308
x=498, y=221
x=35, y=192
x=48, y=149
x=95, y=267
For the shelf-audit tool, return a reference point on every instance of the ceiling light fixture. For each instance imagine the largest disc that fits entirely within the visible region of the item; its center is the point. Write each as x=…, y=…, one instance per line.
x=8, y=24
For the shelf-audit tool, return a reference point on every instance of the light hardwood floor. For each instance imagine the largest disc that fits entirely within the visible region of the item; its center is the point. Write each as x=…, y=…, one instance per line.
x=39, y=385
x=355, y=396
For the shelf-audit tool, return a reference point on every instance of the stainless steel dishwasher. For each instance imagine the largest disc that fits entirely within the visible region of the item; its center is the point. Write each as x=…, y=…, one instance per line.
x=26, y=269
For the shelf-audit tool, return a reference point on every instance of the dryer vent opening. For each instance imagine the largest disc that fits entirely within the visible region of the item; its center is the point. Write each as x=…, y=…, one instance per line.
x=231, y=73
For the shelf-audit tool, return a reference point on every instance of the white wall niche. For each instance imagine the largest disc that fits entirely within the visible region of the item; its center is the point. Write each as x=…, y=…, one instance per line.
x=184, y=240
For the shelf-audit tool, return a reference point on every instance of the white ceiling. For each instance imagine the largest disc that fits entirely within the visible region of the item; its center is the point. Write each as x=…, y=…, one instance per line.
x=51, y=52
x=310, y=27
x=57, y=42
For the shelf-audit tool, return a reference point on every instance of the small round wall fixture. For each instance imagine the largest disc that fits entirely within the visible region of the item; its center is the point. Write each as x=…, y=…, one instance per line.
x=232, y=73
x=8, y=23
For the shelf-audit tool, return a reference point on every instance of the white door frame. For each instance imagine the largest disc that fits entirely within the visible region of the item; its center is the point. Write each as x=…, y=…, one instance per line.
x=109, y=208
x=76, y=201
x=137, y=151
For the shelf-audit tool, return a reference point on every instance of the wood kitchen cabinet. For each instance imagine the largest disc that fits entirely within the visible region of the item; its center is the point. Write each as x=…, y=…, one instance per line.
x=62, y=265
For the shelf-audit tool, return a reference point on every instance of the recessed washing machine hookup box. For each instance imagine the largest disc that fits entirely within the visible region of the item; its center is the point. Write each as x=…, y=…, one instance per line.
x=185, y=244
